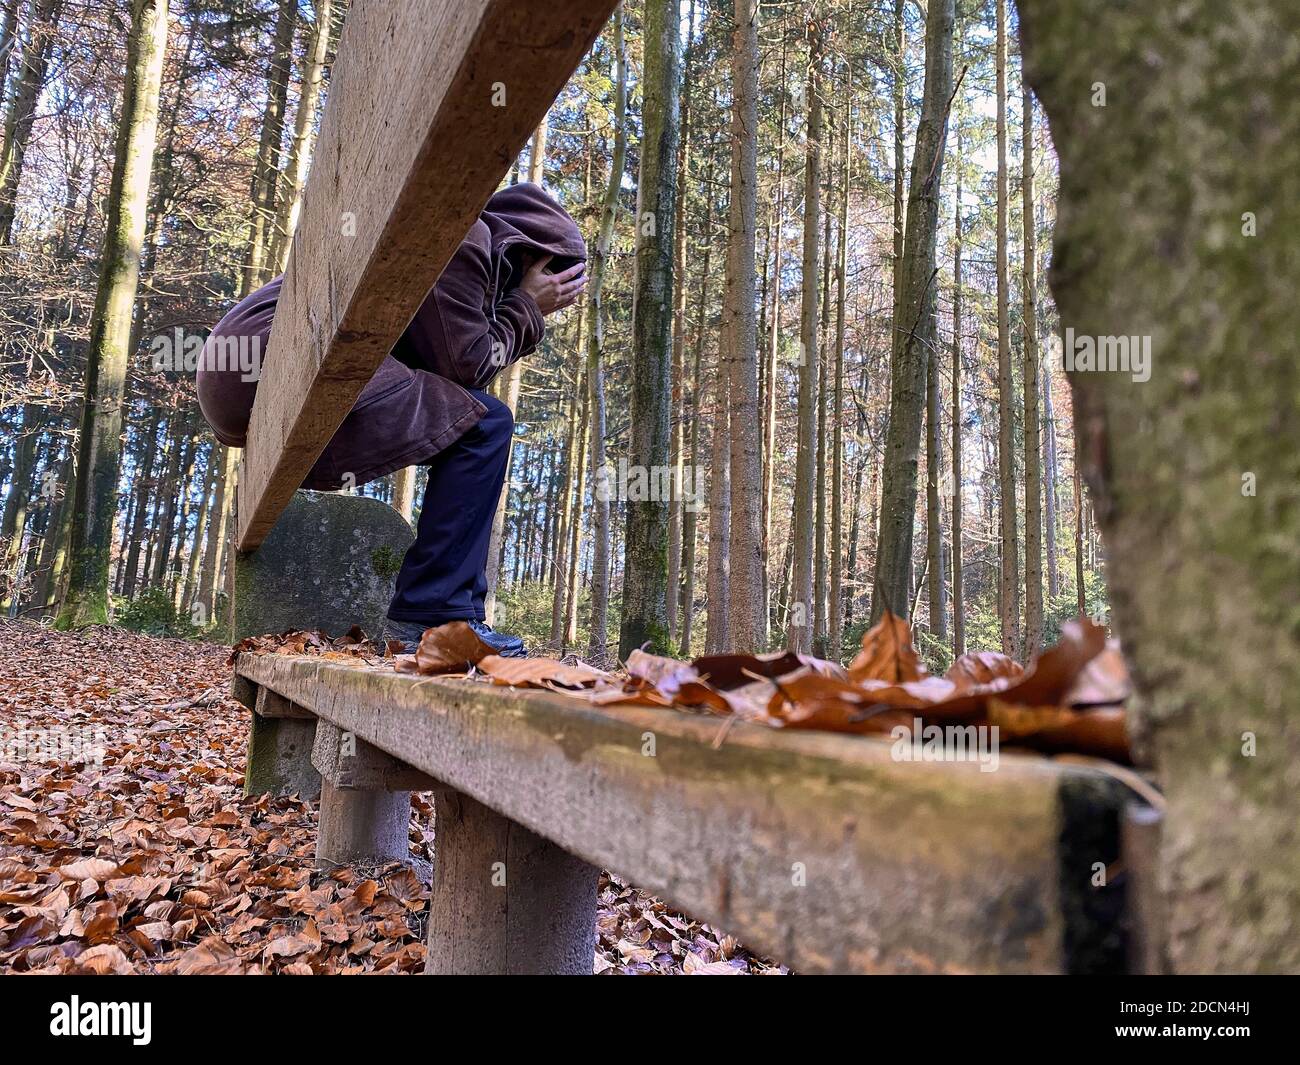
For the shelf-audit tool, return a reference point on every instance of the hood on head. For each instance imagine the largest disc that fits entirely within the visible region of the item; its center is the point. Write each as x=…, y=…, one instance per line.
x=523, y=215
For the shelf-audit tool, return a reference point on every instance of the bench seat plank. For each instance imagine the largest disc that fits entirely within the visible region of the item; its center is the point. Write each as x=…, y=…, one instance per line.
x=817, y=848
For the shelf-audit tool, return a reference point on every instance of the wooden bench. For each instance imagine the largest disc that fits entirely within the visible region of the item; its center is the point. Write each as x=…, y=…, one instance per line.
x=819, y=849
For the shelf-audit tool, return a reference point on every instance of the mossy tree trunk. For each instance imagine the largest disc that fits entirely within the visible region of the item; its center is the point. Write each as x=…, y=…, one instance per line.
x=645, y=567
x=1178, y=131
x=600, y=495
x=914, y=331
x=100, y=441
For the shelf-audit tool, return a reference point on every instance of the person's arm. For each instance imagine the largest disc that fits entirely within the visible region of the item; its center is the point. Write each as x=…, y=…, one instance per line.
x=454, y=335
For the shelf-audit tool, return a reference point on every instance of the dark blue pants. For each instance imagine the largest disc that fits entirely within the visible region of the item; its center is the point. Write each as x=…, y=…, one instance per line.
x=442, y=576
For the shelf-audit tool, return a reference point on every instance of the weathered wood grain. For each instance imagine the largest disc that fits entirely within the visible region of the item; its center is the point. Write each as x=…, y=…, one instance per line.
x=429, y=102
x=819, y=849
x=505, y=900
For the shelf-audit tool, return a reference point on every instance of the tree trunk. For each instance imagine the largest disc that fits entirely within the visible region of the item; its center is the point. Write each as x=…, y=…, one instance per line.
x=266, y=170
x=193, y=566
x=836, y=622
x=1050, y=485
x=748, y=620
x=304, y=127
x=645, y=557
x=773, y=346
x=717, y=636
x=799, y=626
x=899, y=86
x=99, y=444
x=42, y=31
x=691, y=522
x=914, y=327
x=1008, y=572
x=507, y=387
x=573, y=583
x=8, y=27
x=1194, y=471
x=955, y=521
x=601, y=488
x=676, y=504
x=172, y=494
x=144, y=481
x=1029, y=381
x=404, y=492
x=20, y=492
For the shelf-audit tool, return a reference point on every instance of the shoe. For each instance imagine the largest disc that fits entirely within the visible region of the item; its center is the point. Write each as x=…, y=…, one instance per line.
x=501, y=644
x=407, y=633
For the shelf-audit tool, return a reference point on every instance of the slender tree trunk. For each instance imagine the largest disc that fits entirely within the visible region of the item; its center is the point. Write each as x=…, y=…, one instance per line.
x=691, y=521
x=304, y=126
x=193, y=565
x=573, y=583
x=266, y=170
x=42, y=32
x=219, y=526
x=404, y=492
x=914, y=327
x=1033, y=444
x=899, y=85
x=1080, y=589
x=645, y=565
x=1050, y=485
x=144, y=478
x=8, y=27
x=799, y=628
x=1008, y=573
x=45, y=589
x=936, y=578
x=717, y=637
x=835, y=635
x=774, y=345
x=957, y=512
x=507, y=388
x=16, y=503
x=748, y=621
x=823, y=387
x=172, y=493
x=676, y=507
x=601, y=546
x=99, y=444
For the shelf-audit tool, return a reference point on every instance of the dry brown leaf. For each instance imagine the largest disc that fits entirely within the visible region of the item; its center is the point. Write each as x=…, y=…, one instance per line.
x=450, y=648
x=1104, y=681
x=887, y=653
x=978, y=668
x=212, y=957
x=88, y=869
x=104, y=960
x=540, y=672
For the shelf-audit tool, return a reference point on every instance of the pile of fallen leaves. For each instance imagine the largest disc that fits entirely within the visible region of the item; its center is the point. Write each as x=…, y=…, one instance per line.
x=352, y=645
x=1069, y=699
x=126, y=844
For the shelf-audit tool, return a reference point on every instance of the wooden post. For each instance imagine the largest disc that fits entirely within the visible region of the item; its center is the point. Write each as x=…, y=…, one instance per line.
x=505, y=900
x=1140, y=834
x=365, y=805
x=279, y=743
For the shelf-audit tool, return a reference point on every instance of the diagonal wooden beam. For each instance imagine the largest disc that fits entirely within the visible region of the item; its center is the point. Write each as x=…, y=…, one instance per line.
x=430, y=101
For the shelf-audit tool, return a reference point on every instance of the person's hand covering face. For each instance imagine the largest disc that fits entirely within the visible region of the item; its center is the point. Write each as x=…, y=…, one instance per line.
x=553, y=292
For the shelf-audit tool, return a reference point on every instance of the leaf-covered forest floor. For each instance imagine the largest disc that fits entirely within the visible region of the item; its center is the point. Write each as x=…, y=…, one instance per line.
x=126, y=844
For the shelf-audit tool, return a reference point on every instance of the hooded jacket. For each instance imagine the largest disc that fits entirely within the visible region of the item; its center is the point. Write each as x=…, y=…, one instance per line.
x=474, y=323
